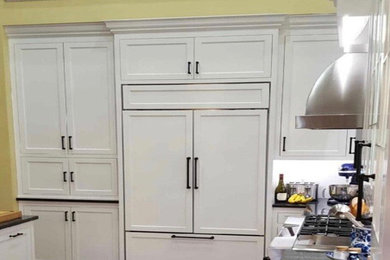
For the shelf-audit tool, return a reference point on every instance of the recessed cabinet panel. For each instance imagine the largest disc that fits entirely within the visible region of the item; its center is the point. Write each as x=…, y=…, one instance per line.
x=233, y=57
x=306, y=57
x=254, y=95
x=46, y=176
x=149, y=59
x=39, y=75
x=90, y=97
x=51, y=232
x=16, y=248
x=93, y=177
x=158, y=170
x=230, y=176
x=95, y=233
x=143, y=246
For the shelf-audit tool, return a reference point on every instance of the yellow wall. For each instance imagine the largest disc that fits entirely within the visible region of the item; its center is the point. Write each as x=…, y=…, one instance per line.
x=67, y=11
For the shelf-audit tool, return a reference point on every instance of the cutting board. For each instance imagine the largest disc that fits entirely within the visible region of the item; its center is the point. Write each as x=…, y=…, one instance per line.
x=9, y=215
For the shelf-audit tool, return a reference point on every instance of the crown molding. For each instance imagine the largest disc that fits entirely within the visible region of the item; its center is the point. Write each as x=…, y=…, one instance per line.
x=52, y=30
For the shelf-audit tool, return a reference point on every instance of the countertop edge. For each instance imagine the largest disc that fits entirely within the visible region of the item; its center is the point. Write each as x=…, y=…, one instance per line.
x=18, y=221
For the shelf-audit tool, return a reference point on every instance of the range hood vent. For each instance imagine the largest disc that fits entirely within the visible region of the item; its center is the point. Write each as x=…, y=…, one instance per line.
x=337, y=98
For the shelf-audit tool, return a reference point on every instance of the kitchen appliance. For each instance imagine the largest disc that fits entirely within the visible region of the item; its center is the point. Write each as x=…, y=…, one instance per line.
x=309, y=189
x=322, y=233
x=343, y=211
x=343, y=192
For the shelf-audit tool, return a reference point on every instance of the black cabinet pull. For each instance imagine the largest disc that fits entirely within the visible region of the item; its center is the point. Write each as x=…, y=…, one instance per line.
x=175, y=236
x=197, y=67
x=73, y=216
x=70, y=143
x=63, y=142
x=350, y=145
x=188, y=172
x=71, y=177
x=66, y=215
x=284, y=144
x=16, y=235
x=64, y=176
x=189, y=68
x=196, y=172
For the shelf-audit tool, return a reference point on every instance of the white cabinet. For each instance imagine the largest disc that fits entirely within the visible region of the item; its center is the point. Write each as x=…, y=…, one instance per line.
x=146, y=59
x=93, y=177
x=16, y=243
x=226, y=171
x=40, y=91
x=149, y=246
x=65, y=98
x=52, y=232
x=94, y=233
x=230, y=158
x=217, y=57
x=306, y=57
x=157, y=154
x=233, y=57
x=45, y=176
x=68, y=231
x=89, y=78
x=82, y=177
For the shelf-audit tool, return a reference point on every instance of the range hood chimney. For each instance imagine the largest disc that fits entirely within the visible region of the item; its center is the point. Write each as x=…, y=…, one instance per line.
x=337, y=98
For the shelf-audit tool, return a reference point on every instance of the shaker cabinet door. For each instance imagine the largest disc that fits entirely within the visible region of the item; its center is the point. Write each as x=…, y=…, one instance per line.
x=157, y=59
x=233, y=57
x=306, y=57
x=40, y=94
x=52, y=231
x=90, y=88
x=45, y=176
x=230, y=171
x=158, y=170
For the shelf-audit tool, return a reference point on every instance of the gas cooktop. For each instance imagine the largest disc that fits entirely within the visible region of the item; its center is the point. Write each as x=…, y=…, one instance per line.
x=323, y=233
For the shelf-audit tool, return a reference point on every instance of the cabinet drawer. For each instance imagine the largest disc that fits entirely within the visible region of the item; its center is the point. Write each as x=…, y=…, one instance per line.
x=16, y=243
x=143, y=246
x=196, y=96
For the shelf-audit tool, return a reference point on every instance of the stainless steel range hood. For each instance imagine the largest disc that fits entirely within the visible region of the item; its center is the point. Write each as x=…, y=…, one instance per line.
x=337, y=98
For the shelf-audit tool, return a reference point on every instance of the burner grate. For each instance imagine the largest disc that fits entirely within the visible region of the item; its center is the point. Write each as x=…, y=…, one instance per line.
x=324, y=225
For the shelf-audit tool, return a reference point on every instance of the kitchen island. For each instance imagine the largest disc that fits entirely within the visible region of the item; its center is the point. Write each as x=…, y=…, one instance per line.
x=17, y=239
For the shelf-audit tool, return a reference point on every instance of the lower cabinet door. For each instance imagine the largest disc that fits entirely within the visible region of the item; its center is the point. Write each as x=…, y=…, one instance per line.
x=93, y=177
x=152, y=246
x=95, y=233
x=45, y=176
x=51, y=231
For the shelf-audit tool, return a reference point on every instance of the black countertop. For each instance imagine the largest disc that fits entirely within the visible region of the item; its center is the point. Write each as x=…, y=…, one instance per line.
x=318, y=207
x=17, y=221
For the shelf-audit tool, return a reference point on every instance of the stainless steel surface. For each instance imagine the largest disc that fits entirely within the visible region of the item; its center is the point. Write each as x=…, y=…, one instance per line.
x=343, y=211
x=337, y=98
x=309, y=189
x=343, y=192
x=319, y=243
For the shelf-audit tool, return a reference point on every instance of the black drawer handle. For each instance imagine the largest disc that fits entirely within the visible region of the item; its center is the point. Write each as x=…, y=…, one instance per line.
x=73, y=216
x=188, y=172
x=284, y=144
x=63, y=142
x=210, y=238
x=64, y=176
x=70, y=143
x=197, y=67
x=189, y=68
x=71, y=176
x=66, y=215
x=16, y=235
x=196, y=172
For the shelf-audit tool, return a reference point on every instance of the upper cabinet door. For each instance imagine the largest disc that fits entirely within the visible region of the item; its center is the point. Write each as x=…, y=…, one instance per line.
x=90, y=88
x=150, y=59
x=95, y=233
x=39, y=79
x=157, y=158
x=230, y=57
x=306, y=57
x=229, y=173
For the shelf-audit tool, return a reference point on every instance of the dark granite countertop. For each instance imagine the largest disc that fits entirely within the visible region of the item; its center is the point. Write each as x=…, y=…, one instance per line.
x=318, y=207
x=17, y=221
